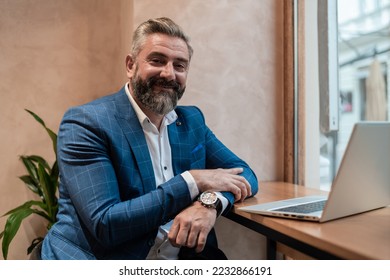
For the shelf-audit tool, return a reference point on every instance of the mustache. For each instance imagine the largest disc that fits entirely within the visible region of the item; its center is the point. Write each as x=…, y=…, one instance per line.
x=161, y=82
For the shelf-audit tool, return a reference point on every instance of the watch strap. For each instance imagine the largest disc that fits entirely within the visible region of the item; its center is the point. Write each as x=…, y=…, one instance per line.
x=218, y=206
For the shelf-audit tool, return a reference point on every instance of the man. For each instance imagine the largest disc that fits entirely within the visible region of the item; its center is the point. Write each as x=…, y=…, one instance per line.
x=140, y=177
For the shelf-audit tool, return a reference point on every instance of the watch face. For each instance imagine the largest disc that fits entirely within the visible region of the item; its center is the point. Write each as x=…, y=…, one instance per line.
x=208, y=198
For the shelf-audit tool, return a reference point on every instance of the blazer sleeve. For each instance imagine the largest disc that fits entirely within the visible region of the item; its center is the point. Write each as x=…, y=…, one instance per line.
x=217, y=155
x=87, y=145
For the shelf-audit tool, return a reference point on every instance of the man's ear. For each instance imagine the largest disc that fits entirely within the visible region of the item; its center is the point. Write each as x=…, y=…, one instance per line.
x=130, y=66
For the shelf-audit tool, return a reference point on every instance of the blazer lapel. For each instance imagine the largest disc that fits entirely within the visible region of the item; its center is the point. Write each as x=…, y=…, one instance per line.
x=134, y=134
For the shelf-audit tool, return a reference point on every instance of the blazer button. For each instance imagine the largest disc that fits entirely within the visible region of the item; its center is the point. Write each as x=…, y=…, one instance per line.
x=178, y=123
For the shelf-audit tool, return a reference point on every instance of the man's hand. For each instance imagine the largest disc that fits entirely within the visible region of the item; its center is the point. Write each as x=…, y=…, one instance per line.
x=222, y=180
x=191, y=227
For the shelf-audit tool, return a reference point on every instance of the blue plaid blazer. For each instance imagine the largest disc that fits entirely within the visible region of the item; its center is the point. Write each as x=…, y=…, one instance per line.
x=109, y=205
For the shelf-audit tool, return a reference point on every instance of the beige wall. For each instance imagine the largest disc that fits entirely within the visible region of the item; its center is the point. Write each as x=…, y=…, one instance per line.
x=56, y=54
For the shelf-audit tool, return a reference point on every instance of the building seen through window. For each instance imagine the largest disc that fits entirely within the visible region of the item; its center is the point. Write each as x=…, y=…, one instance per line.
x=364, y=65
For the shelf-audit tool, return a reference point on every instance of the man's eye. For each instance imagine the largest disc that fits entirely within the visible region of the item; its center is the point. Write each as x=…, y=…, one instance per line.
x=180, y=66
x=156, y=61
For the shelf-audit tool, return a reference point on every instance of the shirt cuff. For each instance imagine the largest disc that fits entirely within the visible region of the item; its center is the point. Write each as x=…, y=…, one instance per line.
x=191, y=184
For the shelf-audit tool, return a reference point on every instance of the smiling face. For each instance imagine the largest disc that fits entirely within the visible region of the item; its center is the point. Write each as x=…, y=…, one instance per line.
x=158, y=74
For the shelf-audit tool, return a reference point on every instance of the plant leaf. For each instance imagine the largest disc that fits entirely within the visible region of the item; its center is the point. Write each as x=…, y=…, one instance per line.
x=48, y=190
x=30, y=184
x=52, y=135
x=54, y=175
x=36, y=117
x=11, y=228
x=42, y=180
x=55, y=172
x=27, y=205
x=31, y=169
x=39, y=159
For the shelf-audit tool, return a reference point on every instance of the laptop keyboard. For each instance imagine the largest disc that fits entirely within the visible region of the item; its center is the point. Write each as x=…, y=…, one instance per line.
x=304, y=208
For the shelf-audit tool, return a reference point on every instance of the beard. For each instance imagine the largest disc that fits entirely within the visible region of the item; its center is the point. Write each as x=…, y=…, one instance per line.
x=161, y=102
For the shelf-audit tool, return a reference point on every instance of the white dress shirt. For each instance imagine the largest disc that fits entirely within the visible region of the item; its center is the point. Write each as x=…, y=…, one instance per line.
x=161, y=156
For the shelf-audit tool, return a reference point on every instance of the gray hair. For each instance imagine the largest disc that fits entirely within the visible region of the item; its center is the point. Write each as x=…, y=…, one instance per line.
x=161, y=25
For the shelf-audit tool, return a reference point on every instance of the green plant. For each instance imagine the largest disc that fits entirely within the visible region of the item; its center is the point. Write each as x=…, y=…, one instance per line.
x=42, y=179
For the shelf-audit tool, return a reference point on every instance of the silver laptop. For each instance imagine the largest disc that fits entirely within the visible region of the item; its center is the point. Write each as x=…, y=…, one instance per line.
x=362, y=182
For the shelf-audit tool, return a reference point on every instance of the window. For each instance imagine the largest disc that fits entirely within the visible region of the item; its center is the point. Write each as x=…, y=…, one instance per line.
x=363, y=66
x=362, y=90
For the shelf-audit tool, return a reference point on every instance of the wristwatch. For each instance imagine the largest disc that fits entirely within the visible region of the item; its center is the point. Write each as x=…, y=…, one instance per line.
x=210, y=200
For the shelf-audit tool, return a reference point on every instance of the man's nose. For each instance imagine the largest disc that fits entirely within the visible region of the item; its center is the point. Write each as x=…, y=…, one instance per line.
x=168, y=72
